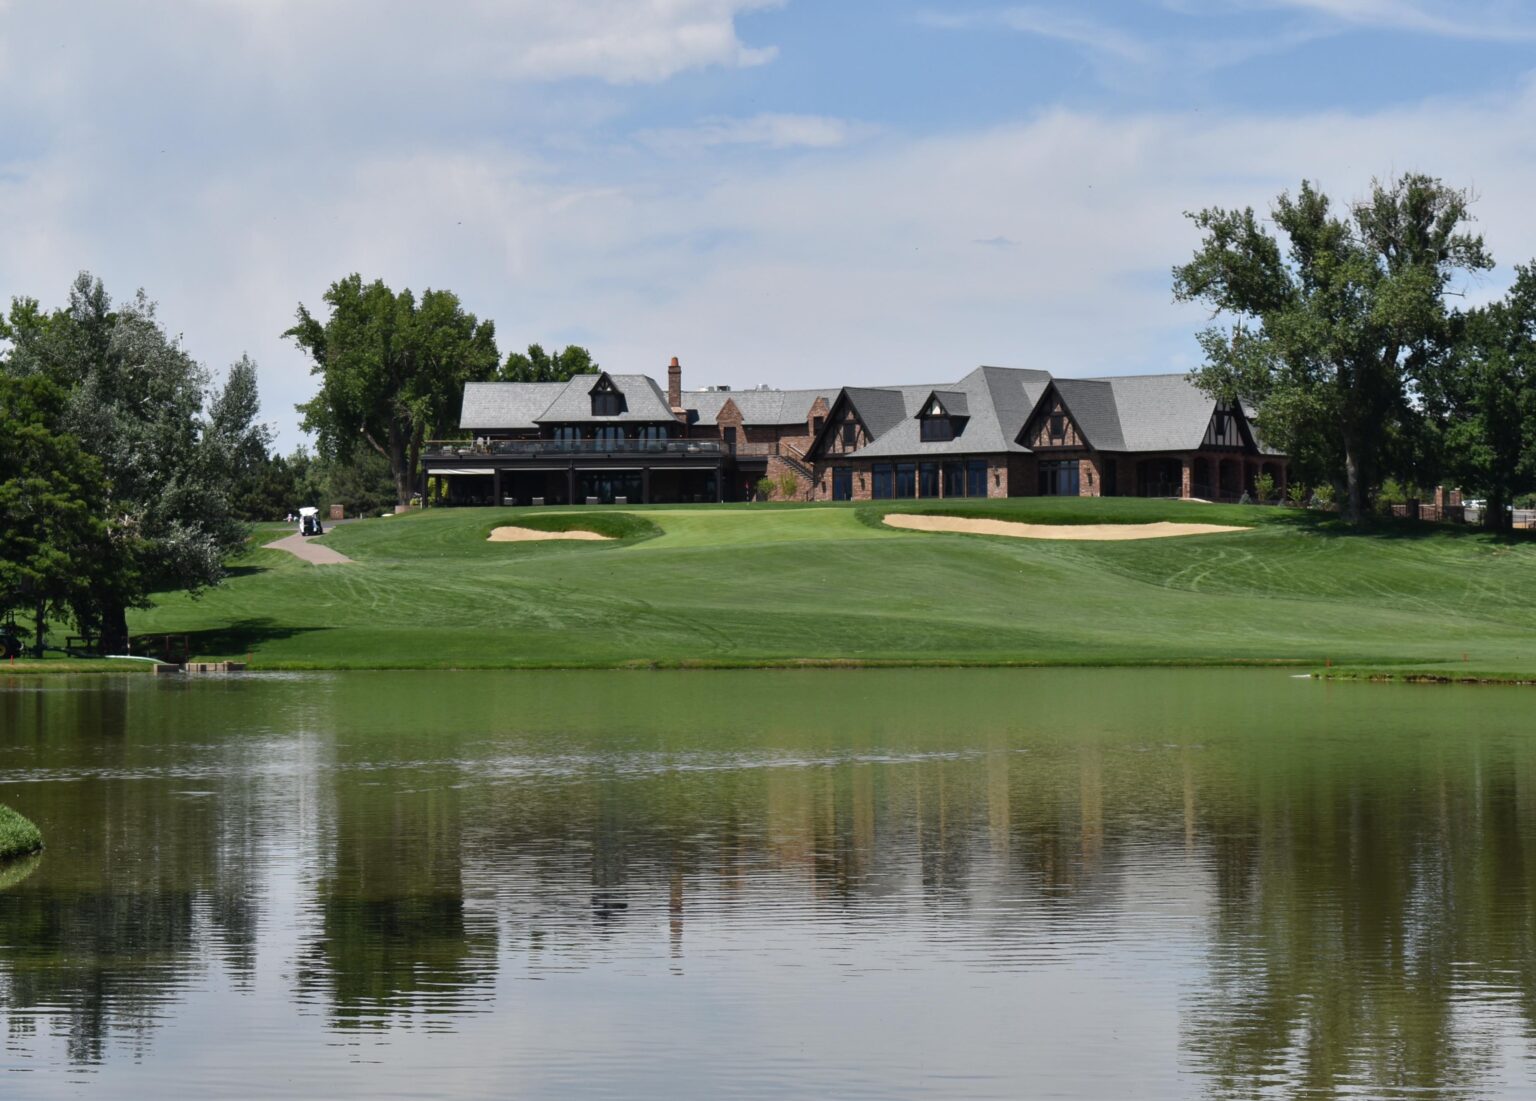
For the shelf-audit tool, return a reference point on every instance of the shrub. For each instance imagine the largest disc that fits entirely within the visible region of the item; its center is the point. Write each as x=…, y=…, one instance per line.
x=764, y=488
x=1264, y=487
x=1322, y=496
x=1245, y=499
x=1297, y=494
x=787, y=484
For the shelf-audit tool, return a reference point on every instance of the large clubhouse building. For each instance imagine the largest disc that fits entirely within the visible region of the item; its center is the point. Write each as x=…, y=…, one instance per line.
x=997, y=432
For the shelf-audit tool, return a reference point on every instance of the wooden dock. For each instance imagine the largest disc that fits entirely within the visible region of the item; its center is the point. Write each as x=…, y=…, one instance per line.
x=167, y=669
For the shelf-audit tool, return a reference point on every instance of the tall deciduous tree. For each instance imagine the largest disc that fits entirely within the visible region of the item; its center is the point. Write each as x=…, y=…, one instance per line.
x=135, y=401
x=52, y=538
x=392, y=370
x=537, y=365
x=1336, y=333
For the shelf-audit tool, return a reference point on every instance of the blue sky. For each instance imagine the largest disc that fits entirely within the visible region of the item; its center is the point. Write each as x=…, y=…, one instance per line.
x=793, y=192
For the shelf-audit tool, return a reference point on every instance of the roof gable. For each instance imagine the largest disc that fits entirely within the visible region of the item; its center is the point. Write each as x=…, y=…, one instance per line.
x=643, y=400
x=945, y=403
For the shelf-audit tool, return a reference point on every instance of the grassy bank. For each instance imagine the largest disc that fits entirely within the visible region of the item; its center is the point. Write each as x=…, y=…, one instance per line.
x=23, y=667
x=829, y=584
x=18, y=836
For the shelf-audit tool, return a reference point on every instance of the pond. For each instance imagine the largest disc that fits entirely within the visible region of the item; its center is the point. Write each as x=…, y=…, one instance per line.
x=883, y=883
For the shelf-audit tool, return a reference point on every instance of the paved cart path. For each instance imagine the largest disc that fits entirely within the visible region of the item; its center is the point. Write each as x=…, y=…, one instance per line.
x=317, y=553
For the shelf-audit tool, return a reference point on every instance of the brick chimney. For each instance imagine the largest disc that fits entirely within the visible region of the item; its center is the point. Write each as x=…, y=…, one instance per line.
x=675, y=385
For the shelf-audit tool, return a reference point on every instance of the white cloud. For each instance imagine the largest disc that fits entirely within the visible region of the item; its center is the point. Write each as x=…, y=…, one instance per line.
x=873, y=260
x=772, y=131
x=1096, y=37
x=1467, y=19
x=619, y=41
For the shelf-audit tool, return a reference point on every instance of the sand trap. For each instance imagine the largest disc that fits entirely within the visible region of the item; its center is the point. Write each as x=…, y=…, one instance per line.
x=1089, y=532
x=315, y=553
x=533, y=535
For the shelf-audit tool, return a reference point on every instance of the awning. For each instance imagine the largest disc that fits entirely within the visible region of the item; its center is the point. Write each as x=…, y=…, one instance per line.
x=463, y=470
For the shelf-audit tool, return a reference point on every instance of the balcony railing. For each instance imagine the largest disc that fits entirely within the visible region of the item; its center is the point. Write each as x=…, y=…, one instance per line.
x=465, y=450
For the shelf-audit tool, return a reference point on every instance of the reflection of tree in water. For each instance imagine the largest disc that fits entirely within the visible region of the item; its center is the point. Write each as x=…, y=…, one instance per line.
x=1357, y=920
x=394, y=938
x=138, y=889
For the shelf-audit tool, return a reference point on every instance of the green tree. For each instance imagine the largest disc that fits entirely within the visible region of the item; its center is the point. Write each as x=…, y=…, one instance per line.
x=392, y=370
x=537, y=365
x=53, y=536
x=1334, y=334
x=1487, y=399
x=243, y=443
x=134, y=400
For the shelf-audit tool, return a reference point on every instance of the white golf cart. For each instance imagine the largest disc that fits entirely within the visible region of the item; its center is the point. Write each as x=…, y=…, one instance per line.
x=309, y=521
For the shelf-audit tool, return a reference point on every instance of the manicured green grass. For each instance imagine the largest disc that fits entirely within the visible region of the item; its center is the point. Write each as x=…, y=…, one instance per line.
x=25, y=667
x=760, y=585
x=18, y=836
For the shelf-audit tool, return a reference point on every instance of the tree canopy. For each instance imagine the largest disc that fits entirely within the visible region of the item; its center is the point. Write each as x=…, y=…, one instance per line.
x=1334, y=336
x=134, y=399
x=53, y=539
x=537, y=365
x=392, y=370
x=1485, y=397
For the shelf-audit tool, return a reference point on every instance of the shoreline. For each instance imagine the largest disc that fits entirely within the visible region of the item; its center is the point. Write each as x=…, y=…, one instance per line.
x=1307, y=667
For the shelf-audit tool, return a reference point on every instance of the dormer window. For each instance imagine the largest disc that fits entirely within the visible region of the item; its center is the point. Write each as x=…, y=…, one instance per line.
x=937, y=429
x=936, y=424
x=606, y=399
x=1057, y=426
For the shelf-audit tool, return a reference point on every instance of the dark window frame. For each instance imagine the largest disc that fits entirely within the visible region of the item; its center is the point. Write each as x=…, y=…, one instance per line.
x=927, y=479
x=881, y=481
x=952, y=474
x=1056, y=426
x=1059, y=478
x=850, y=433
x=936, y=429
x=976, y=478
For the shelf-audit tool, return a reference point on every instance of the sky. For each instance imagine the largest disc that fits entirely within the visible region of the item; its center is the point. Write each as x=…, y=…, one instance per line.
x=775, y=191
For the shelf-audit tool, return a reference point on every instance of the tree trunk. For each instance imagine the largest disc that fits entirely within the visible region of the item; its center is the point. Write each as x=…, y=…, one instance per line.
x=398, y=465
x=1354, y=486
x=412, y=465
x=40, y=623
x=114, y=629
x=1495, y=516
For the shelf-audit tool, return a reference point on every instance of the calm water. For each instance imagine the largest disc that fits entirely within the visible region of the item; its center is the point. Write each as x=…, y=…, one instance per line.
x=927, y=884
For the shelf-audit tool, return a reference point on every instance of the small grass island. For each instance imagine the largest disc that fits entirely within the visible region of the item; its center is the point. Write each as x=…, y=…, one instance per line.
x=19, y=836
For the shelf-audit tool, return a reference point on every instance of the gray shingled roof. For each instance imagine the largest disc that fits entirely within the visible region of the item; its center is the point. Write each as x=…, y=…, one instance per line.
x=501, y=405
x=881, y=408
x=1161, y=412
x=976, y=395
x=757, y=406
x=1091, y=402
x=643, y=401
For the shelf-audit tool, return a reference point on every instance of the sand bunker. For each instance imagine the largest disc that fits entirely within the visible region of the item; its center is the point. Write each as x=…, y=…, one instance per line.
x=533, y=535
x=1090, y=532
